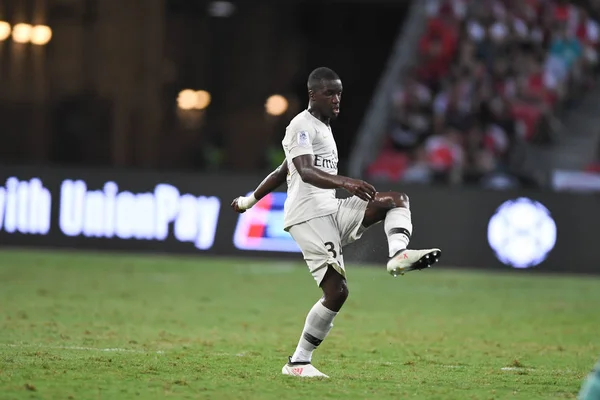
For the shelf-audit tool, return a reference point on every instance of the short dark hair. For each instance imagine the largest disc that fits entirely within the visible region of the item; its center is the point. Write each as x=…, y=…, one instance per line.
x=316, y=78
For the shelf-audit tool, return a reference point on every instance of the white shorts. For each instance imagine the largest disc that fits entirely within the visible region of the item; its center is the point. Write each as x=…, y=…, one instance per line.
x=321, y=239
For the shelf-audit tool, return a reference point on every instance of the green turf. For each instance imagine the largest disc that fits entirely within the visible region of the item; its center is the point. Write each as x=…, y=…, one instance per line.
x=221, y=329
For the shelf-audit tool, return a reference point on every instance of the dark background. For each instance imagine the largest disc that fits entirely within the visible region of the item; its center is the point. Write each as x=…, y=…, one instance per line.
x=103, y=91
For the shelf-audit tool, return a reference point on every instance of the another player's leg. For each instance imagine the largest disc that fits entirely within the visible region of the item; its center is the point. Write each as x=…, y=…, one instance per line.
x=394, y=209
x=319, y=322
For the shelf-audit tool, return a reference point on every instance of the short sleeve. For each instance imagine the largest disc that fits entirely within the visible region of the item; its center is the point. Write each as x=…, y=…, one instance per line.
x=299, y=141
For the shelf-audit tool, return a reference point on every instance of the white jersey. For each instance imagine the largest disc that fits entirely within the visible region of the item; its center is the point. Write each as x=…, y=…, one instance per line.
x=307, y=135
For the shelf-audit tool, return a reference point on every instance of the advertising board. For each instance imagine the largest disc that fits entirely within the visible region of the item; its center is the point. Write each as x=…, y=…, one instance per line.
x=189, y=213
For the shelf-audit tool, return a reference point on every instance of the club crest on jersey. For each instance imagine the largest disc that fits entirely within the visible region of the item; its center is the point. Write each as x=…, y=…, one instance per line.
x=303, y=139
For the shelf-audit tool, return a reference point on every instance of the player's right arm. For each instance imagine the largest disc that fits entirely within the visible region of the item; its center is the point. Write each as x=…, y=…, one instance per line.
x=270, y=183
x=314, y=176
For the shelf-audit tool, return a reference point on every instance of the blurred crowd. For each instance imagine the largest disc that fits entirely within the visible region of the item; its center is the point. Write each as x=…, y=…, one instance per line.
x=490, y=73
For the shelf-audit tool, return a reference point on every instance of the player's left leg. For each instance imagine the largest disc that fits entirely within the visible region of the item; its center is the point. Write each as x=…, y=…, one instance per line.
x=320, y=243
x=394, y=209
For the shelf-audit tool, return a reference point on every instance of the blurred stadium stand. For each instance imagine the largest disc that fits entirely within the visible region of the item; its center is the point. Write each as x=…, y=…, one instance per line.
x=501, y=94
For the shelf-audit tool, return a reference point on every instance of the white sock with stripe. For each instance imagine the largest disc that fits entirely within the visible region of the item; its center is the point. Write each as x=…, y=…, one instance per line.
x=319, y=322
x=398, y=229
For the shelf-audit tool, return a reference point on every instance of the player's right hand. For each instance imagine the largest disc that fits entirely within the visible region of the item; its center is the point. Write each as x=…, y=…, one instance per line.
x=360, y=189
x=236, y=207
x=242, y=203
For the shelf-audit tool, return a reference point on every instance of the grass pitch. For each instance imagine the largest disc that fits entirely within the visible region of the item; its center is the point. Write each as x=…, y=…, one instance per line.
x=89, y=326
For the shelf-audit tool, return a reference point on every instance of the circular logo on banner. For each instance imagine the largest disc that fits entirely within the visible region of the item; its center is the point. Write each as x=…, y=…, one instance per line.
x=522, y=233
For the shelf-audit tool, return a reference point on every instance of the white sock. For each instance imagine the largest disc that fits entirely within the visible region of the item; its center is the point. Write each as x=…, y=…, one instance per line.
x=319, y=322
x=398, y=228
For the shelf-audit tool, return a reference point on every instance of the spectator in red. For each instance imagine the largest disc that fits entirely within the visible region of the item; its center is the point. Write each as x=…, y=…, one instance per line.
x=438, y=46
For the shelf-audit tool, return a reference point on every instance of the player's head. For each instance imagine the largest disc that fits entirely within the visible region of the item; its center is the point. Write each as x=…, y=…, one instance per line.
x=325, y=92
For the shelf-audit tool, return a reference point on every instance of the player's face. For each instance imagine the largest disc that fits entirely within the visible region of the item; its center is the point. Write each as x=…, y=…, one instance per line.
x=328, y=98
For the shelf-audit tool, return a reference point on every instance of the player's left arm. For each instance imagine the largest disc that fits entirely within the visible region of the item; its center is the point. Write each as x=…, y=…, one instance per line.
x=270, y=183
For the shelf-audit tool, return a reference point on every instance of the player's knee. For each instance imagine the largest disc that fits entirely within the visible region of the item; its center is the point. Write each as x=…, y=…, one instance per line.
x=401, y=199
x=338, y=294
x=344, y=293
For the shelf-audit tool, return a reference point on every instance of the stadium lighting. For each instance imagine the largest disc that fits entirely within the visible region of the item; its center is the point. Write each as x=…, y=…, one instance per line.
x=186, y=99
x=202, y=99
x=41, y=35
x=22, y=33
x=4, y=30
x=189, y=99
x=221, y=9
x=276, y=105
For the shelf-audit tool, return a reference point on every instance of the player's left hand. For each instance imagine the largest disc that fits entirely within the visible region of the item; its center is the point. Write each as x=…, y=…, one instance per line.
x=236, y=207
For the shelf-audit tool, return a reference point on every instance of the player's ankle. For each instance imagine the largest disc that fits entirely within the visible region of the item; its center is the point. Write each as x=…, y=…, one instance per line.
x=301, y=356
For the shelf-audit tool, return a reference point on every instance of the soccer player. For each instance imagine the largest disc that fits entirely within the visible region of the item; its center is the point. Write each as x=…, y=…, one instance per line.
x=590, y=390
x=322, y=224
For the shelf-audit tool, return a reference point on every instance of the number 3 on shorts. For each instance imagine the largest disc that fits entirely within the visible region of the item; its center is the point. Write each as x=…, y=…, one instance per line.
x=331, y=248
